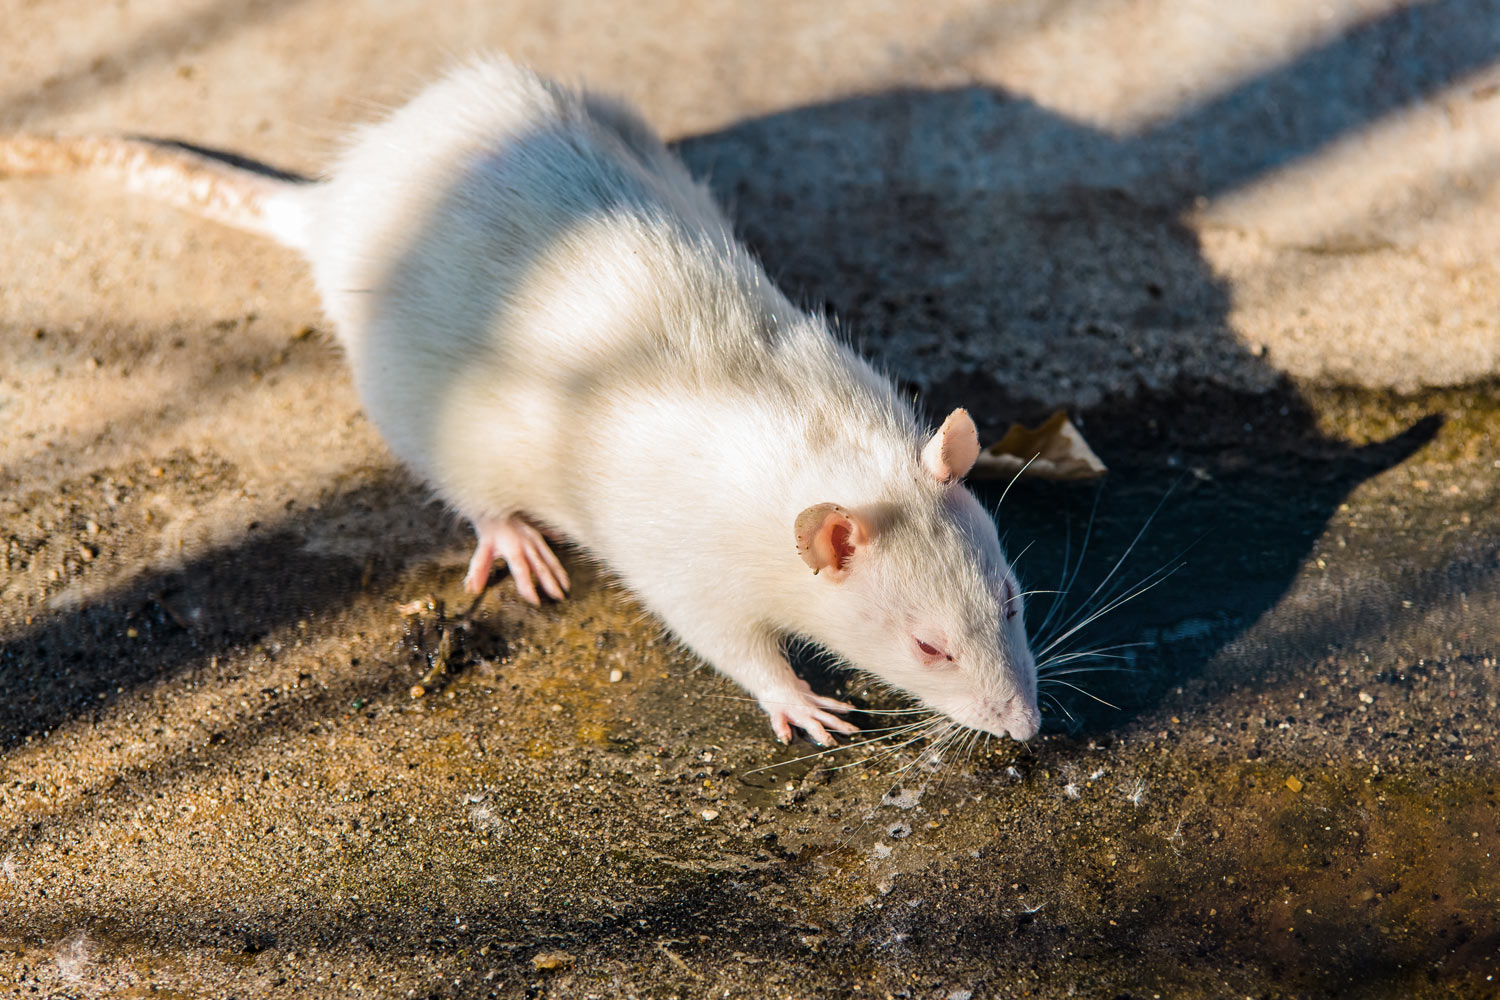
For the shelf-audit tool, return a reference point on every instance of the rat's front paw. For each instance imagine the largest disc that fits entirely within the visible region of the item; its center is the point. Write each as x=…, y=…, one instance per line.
x=811, y=713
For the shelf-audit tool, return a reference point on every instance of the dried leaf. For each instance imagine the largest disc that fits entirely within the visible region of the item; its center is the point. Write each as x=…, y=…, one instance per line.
x=1055, y=450
x=552, y=960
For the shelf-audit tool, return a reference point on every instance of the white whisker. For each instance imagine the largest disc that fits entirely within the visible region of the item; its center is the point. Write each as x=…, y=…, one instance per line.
x=1065, y=584
x=1113, y=605
x=1019, y=472
x=1055, y=701
x=1100, y=652
x=895, y=731
x=1089, y=601
x=1018, y=556
x=1086, y=694
x=933, y=725
x=1103, y=668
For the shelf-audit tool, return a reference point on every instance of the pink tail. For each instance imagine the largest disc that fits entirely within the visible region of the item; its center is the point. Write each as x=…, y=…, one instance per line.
x=218, y=186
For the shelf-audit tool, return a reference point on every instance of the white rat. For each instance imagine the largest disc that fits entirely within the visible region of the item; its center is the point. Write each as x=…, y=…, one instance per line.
x=553, y=325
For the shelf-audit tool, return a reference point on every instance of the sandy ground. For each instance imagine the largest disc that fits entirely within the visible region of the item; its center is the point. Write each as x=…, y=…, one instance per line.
x=1251, y=247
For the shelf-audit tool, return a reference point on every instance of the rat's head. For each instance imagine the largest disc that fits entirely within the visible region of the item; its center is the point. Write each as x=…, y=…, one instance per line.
x=916, y=591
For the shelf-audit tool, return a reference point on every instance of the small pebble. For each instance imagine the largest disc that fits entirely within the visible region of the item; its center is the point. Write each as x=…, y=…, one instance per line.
x=709, y=815
x=616, y=676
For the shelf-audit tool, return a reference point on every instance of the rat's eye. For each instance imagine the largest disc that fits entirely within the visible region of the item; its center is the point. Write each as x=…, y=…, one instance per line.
x=931, y=651
x=1010, y=601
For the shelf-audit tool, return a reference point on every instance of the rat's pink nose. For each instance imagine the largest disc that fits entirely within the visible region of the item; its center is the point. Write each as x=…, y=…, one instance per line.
x=1020, y=718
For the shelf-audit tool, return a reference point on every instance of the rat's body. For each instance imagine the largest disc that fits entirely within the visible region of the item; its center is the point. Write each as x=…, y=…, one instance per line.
x=555, y=327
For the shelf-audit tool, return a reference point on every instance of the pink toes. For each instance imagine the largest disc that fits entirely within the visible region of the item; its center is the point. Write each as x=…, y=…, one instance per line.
x=811, y=713
x=525, y=552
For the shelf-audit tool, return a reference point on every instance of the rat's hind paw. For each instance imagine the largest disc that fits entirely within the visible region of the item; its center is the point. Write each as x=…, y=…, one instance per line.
x=811, y=713
x=525, y=551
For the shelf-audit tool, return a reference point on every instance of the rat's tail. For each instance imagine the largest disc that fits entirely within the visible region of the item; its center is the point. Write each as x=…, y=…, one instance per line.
x=219, y=186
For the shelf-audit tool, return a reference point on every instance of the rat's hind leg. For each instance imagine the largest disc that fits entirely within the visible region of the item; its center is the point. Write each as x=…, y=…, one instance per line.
x=524, y=550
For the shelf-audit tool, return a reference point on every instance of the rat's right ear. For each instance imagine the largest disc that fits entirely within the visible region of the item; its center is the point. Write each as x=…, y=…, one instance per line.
x=953, y=449
x=828, y=536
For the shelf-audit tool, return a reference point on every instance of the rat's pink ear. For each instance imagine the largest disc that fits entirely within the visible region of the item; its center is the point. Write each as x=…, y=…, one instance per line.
x=951, y=453
x=827, y=538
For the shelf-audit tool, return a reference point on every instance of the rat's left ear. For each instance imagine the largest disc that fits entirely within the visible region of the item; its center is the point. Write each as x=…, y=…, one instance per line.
x=951, y=453
x=828, y=536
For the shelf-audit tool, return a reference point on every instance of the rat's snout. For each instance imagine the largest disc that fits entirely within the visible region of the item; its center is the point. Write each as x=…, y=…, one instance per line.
x=1020, y=718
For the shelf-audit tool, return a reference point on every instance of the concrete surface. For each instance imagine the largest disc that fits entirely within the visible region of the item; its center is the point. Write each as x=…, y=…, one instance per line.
x=1251, y=246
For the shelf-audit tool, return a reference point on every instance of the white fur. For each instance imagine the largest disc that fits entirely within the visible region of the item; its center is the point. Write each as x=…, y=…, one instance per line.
x=546, y=315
